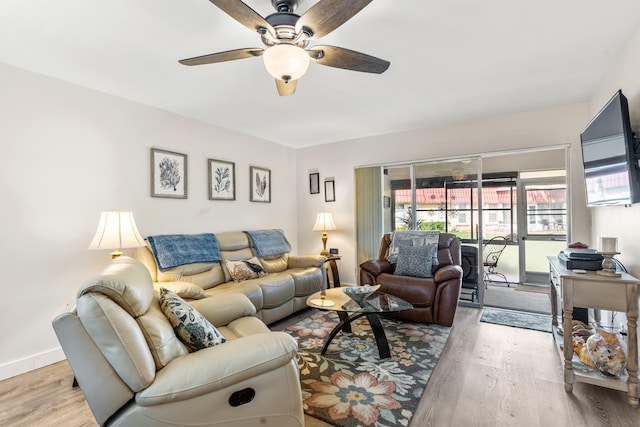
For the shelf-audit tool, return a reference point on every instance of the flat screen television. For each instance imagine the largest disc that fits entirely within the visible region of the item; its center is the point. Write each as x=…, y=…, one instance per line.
x=608, y=155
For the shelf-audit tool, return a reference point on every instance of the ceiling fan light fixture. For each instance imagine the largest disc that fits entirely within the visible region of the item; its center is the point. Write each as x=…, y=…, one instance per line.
x=286, y=61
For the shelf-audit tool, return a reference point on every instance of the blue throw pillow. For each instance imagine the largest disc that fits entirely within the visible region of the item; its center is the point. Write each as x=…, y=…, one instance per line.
x=189, y=325
x=415, y=261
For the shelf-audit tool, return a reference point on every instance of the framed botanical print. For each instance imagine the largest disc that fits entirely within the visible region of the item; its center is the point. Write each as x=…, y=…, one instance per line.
x=260, y=182
x=329, y=191
x=314, y=183
x=168, y=174
x=222, y=180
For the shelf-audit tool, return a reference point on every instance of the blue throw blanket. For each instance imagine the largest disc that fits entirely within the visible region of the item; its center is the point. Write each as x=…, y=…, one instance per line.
x=269, y=242
x=172, y=250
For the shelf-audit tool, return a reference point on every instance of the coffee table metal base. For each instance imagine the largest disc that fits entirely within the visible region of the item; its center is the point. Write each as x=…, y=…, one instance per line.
x=376, y=327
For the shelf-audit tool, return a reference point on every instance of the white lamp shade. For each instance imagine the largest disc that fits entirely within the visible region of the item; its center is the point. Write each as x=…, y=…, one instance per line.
x=116, y=230
x=324, y=222
x=286, y=61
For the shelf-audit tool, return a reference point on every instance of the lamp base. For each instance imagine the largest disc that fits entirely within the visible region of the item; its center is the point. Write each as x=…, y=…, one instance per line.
x=116, y=253
x=324, y=251
x=322, y=302
x=608, y=265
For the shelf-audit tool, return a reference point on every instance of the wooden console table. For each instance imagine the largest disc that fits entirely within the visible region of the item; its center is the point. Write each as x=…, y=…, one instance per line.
x=591, y=290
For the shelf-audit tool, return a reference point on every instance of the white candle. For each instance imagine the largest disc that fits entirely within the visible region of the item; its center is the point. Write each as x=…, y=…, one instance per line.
x=608, y=244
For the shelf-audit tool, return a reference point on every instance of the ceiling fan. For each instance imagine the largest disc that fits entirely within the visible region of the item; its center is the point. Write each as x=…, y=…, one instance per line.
x=287, y=35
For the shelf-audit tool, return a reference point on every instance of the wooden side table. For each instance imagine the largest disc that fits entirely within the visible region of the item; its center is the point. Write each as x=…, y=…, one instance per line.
x=333, y=266
x=595, y=291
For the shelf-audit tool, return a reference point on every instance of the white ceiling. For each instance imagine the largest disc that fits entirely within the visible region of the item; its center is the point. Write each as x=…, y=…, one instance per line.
x=451, y=60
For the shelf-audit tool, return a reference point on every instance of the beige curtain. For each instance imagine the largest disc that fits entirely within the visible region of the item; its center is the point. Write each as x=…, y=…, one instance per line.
x=369, y=212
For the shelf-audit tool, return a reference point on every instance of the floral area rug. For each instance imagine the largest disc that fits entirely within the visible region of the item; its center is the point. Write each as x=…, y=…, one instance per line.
x=517, y=319
x=350, y=385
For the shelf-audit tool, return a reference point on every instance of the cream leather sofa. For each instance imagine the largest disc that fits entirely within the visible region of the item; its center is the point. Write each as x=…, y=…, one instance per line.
x=133, y=370
x=282, y=292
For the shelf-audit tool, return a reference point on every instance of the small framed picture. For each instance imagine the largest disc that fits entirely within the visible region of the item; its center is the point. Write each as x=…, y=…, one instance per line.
x=314, y=183
x=168, y=174
x=329, y=191
x=386, y=201
x=333, y=251
x=260, y=181
x=222, y=180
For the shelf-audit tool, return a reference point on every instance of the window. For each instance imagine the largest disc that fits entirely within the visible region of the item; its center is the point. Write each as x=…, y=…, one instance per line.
x=451, y=205
x=546, y=209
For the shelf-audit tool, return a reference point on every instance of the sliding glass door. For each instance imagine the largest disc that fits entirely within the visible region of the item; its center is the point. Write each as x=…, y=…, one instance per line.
x=442, y=196
x=521, y=196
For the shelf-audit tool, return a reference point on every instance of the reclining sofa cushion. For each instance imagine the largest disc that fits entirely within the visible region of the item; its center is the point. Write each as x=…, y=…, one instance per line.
x=202, y=275
x=185, y=290
x=127, y=283
x=108, y=306
x=305, y=280
x=276, y=263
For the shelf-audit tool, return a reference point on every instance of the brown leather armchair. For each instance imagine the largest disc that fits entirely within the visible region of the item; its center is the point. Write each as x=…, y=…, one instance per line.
x=434, y=299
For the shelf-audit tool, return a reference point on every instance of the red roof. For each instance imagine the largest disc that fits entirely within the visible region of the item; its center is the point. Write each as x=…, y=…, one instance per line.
x=491, y=195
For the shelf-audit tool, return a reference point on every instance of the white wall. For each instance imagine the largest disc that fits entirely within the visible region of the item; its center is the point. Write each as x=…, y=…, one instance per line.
x=550, y=127
x=619, y=221
x=70, y=153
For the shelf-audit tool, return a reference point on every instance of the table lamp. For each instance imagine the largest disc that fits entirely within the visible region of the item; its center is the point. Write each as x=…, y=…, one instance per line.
x=116, y=230
x=324, y=223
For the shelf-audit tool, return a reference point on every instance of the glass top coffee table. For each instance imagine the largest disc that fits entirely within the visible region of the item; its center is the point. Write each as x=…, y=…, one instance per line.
x=350, y=309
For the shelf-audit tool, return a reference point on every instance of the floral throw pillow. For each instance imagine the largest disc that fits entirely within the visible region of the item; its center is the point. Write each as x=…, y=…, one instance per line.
x=189, y=325
x=416, y=261
x=245, y=270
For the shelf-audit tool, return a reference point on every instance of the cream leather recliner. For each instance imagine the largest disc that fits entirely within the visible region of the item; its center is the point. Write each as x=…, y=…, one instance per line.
x=133, y=370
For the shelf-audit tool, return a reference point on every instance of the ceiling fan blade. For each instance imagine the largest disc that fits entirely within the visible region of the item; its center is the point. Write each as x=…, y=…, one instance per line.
x=229, y=55
x=340, y=57
x=286, y=88
x=327, y=15
x=244, y=15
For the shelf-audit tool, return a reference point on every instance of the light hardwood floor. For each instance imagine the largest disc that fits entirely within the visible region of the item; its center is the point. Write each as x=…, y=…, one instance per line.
x=488, y=375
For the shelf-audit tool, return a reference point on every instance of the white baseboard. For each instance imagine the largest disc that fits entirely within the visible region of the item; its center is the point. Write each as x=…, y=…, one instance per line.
x=31, y=363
